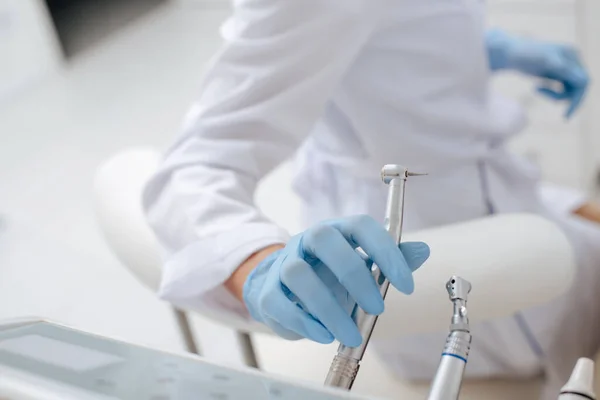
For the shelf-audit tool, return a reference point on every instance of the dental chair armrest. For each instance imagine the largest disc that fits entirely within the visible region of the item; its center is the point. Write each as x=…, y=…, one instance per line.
x=118, y=186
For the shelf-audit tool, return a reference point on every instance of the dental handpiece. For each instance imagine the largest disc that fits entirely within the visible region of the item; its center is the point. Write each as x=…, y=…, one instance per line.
x=448, y=379
x=581, y=383
x=345, y=365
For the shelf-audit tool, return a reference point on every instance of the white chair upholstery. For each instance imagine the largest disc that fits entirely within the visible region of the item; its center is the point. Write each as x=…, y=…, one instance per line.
x=118, y=186
x=117, y=203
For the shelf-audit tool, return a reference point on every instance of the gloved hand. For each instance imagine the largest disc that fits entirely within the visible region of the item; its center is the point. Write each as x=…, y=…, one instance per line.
x=308, y=289
x=555, y=62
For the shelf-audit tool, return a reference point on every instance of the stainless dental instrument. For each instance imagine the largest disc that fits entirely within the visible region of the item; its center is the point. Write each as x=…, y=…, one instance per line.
x=345, y=365
x=448, y=379
x=581, y=383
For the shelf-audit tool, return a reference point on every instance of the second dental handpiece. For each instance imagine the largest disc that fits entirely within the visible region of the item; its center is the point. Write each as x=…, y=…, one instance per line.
x=448, y=378
x=345, y=365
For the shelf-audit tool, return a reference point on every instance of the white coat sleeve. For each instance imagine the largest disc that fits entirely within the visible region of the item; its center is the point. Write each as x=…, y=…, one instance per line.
x=261, y=96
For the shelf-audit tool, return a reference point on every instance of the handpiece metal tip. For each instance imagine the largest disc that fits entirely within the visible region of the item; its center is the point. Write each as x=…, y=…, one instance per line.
x=393, y=171
x=458, y=288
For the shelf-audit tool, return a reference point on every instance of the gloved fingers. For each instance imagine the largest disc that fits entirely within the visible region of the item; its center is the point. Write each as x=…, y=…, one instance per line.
x=381, y=248
x=565, y=67
x=282, y=315
x=576, y=99
x=553, y=93
x=318, y=300
x=290, y=322
x=573, y=71
x=574, y=89
x=336, y=288
x=329, y=246
x=415, y=253
x=571, y=54
x=576, y=81
x=576, y=86
x=364, y=256
x=282, y=332
x=331, y=281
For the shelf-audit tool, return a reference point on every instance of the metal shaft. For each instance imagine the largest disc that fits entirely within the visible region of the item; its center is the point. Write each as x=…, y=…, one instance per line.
x=448, y=379
x=187, y=334
x=346, y=363
x=248, y=352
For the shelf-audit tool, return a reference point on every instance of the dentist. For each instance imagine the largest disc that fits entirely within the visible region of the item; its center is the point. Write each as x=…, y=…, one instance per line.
x=344, y=87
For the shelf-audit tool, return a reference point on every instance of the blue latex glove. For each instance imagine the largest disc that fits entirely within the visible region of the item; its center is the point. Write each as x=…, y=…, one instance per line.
x=309, y=288
x=555, y=62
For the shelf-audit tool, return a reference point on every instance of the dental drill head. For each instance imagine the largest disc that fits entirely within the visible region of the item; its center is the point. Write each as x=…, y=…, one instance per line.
x=458, y=290
x=394, y=171
x=448, y=379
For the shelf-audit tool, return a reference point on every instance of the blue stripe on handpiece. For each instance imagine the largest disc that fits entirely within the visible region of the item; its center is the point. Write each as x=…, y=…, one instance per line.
x=455, y=356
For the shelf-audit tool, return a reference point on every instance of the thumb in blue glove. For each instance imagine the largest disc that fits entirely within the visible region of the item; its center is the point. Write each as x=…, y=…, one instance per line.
x=309, y=288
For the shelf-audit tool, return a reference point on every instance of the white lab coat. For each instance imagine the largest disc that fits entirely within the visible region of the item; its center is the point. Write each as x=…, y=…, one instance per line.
x=345, y=87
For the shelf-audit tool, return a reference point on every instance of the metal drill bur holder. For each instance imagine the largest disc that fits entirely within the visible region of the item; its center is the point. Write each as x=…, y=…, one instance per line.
x=346, y=363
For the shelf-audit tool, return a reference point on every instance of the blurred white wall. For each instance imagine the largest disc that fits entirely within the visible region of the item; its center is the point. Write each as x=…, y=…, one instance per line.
x=589, y=15
x=28, y=46
x=53, y=261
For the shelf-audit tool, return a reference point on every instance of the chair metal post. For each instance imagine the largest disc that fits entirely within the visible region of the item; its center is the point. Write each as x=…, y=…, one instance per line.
x=247, y=347
x=191, y=345
x=185, y=329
